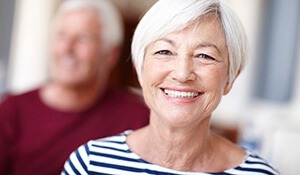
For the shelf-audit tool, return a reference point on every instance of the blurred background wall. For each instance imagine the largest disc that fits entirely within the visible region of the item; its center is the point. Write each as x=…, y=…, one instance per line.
x=6, y=19
x=262, y=110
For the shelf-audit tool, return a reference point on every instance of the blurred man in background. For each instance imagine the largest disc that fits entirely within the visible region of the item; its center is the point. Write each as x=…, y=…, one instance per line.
x=40, y=128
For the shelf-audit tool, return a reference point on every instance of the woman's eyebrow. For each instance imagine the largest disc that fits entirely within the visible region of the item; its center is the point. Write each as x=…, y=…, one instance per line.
x=207, y=44
x=166, y=40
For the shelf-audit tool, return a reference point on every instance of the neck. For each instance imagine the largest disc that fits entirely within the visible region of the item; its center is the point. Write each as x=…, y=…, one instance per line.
x=70, y=98
x=179, y=149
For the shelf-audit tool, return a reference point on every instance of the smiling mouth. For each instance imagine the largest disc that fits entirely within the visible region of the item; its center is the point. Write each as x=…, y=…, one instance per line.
x=180, y=94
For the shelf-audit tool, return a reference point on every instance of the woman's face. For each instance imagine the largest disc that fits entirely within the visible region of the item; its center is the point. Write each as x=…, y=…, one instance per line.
x=185, y=74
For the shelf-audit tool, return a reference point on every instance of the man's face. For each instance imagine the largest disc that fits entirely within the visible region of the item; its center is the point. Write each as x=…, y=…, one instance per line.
x=77, y=57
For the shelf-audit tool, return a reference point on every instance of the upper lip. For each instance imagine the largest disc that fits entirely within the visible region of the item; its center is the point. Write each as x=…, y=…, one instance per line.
x=181, y=89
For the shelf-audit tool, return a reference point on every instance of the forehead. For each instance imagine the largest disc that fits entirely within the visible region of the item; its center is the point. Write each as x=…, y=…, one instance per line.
x=80, y=16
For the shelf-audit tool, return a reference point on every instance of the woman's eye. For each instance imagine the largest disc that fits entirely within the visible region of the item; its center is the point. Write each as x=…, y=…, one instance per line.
x=163, y=52
x=204, y=56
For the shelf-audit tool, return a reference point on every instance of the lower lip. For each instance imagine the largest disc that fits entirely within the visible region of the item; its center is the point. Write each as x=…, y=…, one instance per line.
x=181, y=100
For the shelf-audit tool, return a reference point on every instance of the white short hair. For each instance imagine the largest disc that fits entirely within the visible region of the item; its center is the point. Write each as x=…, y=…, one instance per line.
x=109, y=17
x=167, y=16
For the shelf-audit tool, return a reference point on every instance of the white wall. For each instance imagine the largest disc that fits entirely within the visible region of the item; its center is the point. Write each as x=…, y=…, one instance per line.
x=28, y=62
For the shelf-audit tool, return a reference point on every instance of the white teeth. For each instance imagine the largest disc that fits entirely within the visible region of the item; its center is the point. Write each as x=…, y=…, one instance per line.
x=178, y=94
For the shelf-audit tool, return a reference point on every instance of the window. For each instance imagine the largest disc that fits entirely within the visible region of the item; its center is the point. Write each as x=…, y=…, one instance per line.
x=277, y=60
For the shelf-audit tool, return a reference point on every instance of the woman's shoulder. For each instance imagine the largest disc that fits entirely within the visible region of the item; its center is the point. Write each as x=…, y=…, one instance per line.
x=116, y=142
x=255, y=163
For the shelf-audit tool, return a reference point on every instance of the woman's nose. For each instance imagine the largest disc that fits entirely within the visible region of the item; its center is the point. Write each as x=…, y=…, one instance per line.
x=184, y=70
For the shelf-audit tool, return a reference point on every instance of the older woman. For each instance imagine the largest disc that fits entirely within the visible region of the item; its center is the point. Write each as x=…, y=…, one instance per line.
x=187, y=54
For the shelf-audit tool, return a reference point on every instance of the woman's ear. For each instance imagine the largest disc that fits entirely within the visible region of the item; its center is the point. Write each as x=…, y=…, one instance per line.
x=228, y=87
x=229, y=84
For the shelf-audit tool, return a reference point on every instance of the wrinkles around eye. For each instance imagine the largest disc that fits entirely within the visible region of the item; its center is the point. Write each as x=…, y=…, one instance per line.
x=204, y=56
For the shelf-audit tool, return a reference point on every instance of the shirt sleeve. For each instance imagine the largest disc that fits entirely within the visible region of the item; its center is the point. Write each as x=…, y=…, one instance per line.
x=78, y=162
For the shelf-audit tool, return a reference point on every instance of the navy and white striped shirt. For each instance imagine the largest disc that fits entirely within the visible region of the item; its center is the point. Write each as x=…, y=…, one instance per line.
x=112, y=155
